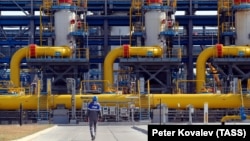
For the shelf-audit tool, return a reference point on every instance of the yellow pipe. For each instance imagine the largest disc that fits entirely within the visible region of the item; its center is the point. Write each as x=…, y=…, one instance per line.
x=232, y=117
x=178, y=101
x=236, y=51
x=156, y=51
x=40, y=51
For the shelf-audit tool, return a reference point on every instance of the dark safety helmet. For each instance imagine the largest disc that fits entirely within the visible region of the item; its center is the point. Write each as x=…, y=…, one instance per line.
x=95, y=98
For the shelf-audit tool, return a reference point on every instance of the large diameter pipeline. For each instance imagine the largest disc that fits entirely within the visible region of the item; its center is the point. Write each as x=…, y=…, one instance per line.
x=177, y=101
x=218, y=51
x=126, y=51
x=34, y=51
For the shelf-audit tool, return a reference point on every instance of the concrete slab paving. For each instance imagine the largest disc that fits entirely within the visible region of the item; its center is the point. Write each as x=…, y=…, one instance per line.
x=105, y=132
x=81, y=133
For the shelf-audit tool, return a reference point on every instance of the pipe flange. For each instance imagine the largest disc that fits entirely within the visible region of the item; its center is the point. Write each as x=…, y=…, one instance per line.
x=126, y=51
x=32, y=50
x=219, y=50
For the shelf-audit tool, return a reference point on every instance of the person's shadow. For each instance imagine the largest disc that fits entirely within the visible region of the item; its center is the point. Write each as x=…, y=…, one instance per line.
x=140, y=129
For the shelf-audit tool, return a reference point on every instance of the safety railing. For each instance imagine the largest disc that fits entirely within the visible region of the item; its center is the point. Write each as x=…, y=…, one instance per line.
x=93, y=86
x=81, y=26
x=180, y=88
x=173, y=53
x=135, y=9
x=7, y=87
x=6, y=84
x=13, y=91
x=136, y=4
x=82, y=53
x=82, y=3
x=59, y=52
x=225, y=4
x=228, y=27
x=46, y=7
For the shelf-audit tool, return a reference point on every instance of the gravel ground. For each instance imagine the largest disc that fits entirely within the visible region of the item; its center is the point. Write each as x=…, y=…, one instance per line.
x=12, y=132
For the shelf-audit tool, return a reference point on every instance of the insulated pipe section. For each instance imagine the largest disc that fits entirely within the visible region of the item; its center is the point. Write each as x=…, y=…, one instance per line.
x=34, y=51
x=217, y=51
x=126, y=51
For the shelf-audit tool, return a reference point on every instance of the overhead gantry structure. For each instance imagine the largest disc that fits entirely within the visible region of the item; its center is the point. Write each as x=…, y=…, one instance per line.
x=101, y=42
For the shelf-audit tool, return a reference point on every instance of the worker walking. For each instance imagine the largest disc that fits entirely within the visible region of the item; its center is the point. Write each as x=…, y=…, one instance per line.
x=93, y=114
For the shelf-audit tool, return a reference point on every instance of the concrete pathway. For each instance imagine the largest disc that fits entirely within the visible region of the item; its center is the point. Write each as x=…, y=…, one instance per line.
x=81, y=133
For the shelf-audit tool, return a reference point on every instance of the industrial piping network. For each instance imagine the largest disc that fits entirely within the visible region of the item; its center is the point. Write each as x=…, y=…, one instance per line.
x=178, y=101
x=126, y=51
x=218, y=51
x=34, y=51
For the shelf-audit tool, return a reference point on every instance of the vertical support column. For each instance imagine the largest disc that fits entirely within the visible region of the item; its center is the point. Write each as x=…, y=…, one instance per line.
x=164, y=113
x=84, y=111
x=132, y=107
x=139, y=96
x=191, y=111
x=106, y=48
x=38, y=100
x=205, y=113
x=149, y=101
x=21, y=114
x=73, y=100
x=32, y=24
x=49, y=91
x=190, y=49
